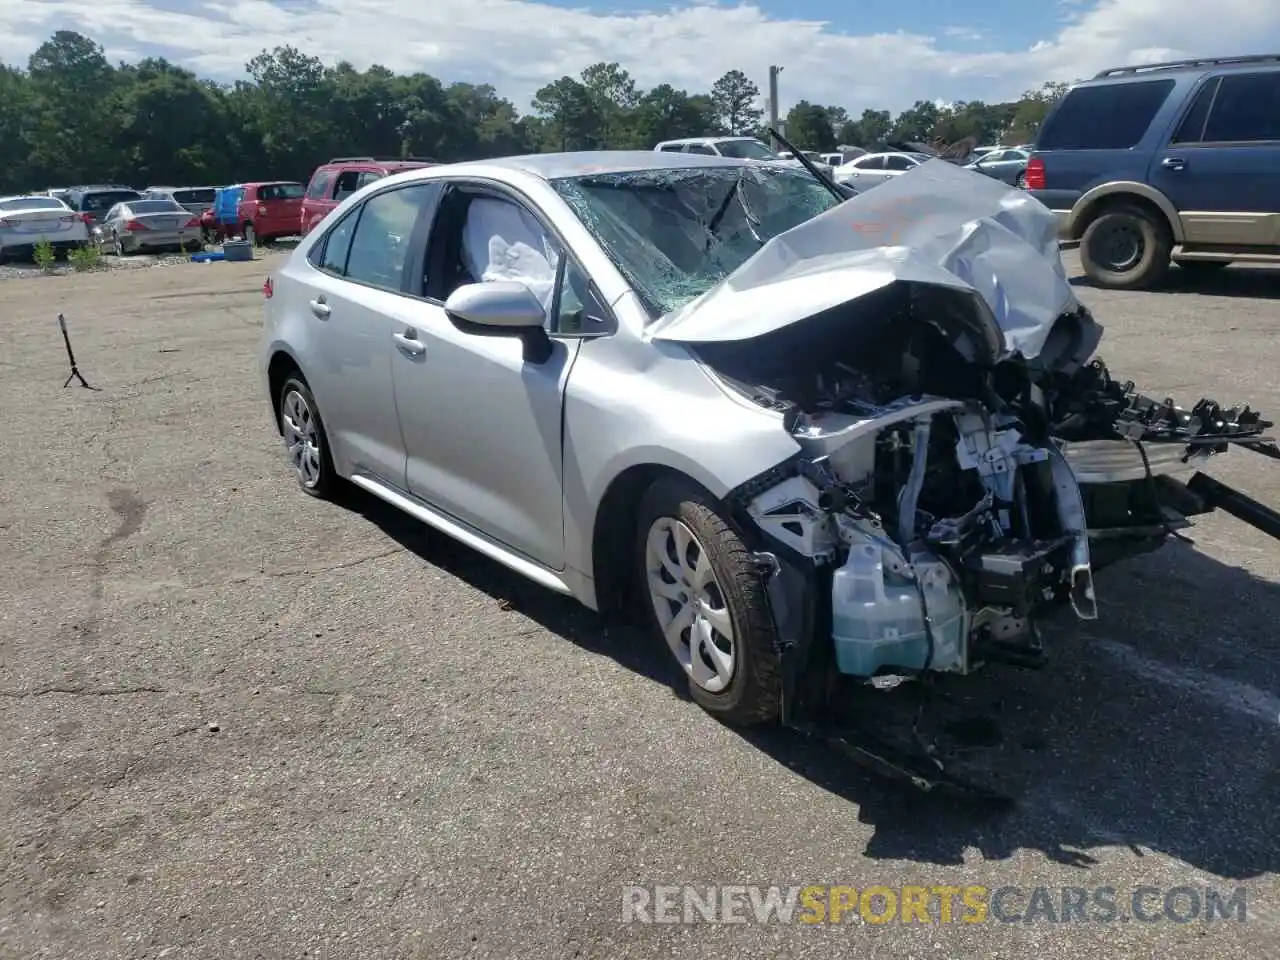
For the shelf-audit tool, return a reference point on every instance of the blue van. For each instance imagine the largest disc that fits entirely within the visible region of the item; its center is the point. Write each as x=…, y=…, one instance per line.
x=1165, y=163
x=226, y=205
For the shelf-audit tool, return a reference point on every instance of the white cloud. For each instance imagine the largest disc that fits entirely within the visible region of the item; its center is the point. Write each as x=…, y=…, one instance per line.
x=520, y=44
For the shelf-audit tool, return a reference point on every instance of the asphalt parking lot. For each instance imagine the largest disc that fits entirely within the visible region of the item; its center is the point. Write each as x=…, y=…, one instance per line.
x=237, y=722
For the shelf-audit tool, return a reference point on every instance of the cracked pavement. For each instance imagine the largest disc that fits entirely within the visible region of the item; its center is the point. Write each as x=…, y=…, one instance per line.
x=237, y=722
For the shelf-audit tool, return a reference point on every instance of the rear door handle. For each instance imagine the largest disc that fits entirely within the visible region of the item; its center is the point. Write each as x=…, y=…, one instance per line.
x=409, y=344
x=320, y=308
x=1173, y=163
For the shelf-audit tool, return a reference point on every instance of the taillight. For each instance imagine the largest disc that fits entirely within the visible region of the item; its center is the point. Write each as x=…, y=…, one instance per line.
x=133, y=226
x=1035, y=174
x=262, y=211
x=87, y=218
x=193, y=222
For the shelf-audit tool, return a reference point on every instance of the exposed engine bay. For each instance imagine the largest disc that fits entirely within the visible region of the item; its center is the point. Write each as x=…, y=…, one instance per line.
x=941, y=506
x=964, y=461
x=953, y=502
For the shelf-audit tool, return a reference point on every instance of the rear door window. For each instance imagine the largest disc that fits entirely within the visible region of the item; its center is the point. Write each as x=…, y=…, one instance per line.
x=330, y=255
x=1113, y=116
x=201, y=195
x=1245, y=110
x=701, y=148
x=281, y=191
x=381, y=242
x=98, y=202
x=870, y=163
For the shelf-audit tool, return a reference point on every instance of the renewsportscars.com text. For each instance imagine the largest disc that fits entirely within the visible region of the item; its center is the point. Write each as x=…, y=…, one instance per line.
x=941, y=904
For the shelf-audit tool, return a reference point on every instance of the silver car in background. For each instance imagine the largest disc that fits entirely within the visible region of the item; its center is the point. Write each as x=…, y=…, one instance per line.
x=874, y=169
x=1008, y=164
x=801, y=437
x=140, y=225
x=26, y=222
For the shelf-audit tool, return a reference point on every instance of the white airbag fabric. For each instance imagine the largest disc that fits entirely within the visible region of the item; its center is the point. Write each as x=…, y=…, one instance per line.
x=500, y=241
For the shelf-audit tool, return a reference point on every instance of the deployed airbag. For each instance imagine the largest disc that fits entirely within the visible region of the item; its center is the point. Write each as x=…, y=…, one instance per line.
x=500, y=241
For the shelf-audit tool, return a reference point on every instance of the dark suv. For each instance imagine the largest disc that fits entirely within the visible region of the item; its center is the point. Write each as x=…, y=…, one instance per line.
x=93, y=202
x=1168, y=162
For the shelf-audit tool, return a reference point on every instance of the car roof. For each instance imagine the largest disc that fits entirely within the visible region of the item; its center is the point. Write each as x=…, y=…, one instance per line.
x=706, y=140
x=1266, y=61
x=552, y=166
x=406, y=163
x=266, y=183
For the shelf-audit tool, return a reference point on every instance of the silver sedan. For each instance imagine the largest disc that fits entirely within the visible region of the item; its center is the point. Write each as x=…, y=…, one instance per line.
x=802, y=437
x=148, y=225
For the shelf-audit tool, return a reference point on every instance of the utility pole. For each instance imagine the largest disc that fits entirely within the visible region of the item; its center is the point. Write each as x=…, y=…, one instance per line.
x=773, y=101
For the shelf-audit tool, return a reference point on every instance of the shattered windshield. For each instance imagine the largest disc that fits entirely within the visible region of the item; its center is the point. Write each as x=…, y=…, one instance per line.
x=676, y=233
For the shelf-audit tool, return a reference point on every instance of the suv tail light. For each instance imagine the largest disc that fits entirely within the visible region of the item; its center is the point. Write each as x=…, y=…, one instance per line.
x=134, y=225
x=262, y=211
x=267, y=288
x=1035, y=174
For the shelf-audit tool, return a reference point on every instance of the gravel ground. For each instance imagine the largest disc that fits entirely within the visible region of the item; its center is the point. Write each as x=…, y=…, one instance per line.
x=111, y=263
x=236, y=722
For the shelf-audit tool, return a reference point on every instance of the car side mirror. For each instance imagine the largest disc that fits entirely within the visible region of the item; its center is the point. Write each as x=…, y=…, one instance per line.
x=502, y=308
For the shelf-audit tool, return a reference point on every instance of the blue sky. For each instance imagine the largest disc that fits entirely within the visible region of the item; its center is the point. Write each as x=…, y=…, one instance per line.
x=882, y=54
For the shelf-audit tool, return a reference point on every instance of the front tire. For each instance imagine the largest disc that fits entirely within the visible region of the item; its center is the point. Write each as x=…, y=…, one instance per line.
x=305, y=440
x=707, y=602
x=1126, y=248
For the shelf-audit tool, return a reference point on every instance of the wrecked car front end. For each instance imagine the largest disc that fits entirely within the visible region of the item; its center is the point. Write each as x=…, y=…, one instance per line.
x=963, y=461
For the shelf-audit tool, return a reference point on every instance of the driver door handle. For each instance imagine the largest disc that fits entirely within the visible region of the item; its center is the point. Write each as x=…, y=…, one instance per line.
x=320, y=308
x=1173, y=163
x=409, y=344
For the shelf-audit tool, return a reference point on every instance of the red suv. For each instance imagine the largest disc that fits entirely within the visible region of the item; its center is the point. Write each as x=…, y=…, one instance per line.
x=336, y=180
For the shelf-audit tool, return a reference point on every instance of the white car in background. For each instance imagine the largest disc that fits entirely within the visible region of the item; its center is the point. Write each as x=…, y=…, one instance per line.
x=27, y=221
x=877, y=168
x=737, y=148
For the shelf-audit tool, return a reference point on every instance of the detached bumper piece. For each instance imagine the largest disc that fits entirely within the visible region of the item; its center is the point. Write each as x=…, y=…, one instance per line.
x=1218, y=495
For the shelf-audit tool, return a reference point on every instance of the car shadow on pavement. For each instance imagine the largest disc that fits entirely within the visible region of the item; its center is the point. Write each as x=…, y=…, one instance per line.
x=1154, y=728
x=1250, y=283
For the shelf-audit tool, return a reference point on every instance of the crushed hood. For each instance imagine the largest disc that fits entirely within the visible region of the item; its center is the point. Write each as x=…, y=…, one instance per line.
x=938, y=225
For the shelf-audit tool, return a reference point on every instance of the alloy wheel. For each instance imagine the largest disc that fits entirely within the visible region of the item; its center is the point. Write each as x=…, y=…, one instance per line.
x=301, y=438
x=689, y=604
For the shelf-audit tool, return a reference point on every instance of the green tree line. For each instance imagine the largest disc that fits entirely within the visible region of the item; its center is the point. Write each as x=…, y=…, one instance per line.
x=73, y=117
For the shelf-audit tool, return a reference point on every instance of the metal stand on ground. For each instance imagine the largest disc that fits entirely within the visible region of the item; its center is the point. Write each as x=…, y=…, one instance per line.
x=75, y=371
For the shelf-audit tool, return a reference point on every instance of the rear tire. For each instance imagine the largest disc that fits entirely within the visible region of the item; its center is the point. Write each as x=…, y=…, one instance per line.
x=306, y=441
x=701, y=585
x=1126, y=248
